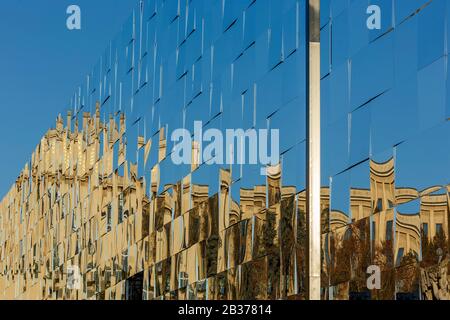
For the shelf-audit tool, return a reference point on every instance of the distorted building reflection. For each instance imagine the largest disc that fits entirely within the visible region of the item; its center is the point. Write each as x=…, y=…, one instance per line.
x=101, y=200
x=133, y=237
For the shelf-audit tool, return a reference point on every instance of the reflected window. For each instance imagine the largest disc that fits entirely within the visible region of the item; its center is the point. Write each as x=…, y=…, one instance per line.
x=438, y=228
x=401, y=252
x=389, y=230
x=425, y=229
x=109, y=218
x=379, y=205
x=120, y=208
x=183, y=279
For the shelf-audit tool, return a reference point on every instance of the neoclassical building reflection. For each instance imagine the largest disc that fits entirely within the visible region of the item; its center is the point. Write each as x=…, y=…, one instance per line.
x=81, y=202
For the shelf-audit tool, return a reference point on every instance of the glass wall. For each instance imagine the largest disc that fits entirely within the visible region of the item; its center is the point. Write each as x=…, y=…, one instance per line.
x=179, y=171
x=114, y=193
x=385, y=111
x=208, y=67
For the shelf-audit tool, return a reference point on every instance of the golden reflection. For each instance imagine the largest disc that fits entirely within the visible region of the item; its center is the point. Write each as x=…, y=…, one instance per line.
x=80, y=202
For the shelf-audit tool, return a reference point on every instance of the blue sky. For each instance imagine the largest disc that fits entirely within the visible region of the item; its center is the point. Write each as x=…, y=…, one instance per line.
x=41, y=65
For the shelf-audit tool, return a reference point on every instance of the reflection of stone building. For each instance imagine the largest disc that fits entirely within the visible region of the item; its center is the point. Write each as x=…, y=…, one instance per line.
x=382, y=188
x=407, y=235
x=360, y=204
x=397, y=235
x=434, y=212
x=81, y=203
x=432, y=217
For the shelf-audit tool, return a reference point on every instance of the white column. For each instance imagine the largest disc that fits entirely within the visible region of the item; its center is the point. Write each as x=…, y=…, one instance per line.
x=313, y=148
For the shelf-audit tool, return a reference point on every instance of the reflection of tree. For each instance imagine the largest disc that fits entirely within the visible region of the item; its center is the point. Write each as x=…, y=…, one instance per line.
x=431, y=249
x=273, y=275
x=384, y=258
x=254, y=282
x=302, y=235
x=324, y=220
x=287, y=243
x=351, y=256
x=407, y=273
x=360, y=258
x=384, y=255
x=301, y=245
x=434, y=267
x=270, y=233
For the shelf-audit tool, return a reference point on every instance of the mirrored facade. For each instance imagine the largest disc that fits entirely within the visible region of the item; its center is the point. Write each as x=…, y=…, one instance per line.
x=102, y=210
x=385, y=171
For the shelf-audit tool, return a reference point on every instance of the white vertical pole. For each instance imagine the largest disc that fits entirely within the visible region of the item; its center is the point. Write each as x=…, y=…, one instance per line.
x=313, y=147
